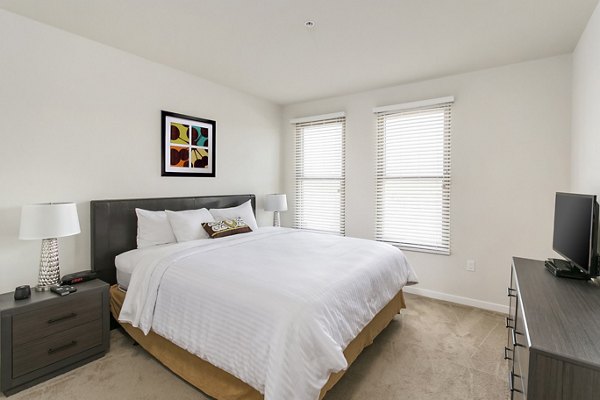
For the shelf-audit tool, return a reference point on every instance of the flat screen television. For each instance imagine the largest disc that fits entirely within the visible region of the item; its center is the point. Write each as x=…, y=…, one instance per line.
x=576, y=230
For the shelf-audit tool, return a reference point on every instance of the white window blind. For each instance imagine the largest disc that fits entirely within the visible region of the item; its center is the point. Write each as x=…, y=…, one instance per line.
x=320, y=175
x=413, y=176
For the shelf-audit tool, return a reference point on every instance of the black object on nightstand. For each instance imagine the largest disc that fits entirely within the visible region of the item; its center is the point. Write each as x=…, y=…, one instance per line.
x=47, y=335
x=78, y=277
x=63, y=290
x=22, y=292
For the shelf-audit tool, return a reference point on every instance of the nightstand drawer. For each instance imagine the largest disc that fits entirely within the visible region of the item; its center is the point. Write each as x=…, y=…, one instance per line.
x=37, y=354
x=70, y=311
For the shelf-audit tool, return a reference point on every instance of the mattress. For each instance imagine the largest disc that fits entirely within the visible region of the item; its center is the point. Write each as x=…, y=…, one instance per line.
x=274, y=308
x=126, y=262
x=123, y=277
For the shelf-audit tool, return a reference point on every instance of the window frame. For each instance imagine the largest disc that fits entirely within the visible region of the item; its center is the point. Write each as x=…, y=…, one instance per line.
x=300, y=220
x=443, y=242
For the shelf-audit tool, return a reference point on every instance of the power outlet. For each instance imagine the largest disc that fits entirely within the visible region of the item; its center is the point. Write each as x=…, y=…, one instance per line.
x=470, y=265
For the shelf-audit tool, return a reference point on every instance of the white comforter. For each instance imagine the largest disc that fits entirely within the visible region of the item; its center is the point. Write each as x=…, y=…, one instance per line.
x=275, y=308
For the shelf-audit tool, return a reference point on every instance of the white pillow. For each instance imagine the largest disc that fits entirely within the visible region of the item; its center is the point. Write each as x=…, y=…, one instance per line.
x=153, y=228
x=243, y=211
x=187, y=224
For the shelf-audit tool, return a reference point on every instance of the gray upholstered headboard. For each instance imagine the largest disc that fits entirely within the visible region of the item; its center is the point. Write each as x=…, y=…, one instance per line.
x=114, y=224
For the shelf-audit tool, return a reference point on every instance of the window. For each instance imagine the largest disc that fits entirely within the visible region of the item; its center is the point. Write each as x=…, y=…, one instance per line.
x=320, y=173
x=413, y=175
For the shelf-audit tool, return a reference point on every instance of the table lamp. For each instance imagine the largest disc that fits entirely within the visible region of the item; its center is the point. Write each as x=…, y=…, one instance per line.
x=48, y=222
x=276, y=203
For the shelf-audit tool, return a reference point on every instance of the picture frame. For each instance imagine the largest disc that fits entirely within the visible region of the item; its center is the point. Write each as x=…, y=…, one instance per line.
x=188, y=145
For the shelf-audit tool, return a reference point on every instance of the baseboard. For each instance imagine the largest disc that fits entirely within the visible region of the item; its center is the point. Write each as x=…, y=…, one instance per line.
x=457, y=299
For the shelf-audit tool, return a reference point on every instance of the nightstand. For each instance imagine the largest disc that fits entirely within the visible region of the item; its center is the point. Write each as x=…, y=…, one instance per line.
x=47, y=335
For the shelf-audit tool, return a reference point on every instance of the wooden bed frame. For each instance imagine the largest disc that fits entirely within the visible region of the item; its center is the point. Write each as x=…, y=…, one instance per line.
x=114, y=231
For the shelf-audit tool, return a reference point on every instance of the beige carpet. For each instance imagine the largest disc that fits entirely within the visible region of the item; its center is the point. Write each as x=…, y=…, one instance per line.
x=433, y=350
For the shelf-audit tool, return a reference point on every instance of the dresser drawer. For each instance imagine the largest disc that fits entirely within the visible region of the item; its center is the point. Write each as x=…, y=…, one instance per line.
x=510, y=319
x=521, y=348
x=515, y=386
x=37, y=354
x=519, y=373
x=66, y=313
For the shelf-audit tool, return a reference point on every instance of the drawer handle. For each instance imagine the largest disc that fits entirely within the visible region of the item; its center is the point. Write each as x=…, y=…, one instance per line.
x=510, y=292
x=68, y=316
x=63, y=347
x=514, y=339
x=511, y=382
x=508, y=321
x=506, y=350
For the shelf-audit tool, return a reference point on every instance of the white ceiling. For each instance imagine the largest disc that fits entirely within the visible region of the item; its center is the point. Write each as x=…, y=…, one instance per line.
x=262, y=46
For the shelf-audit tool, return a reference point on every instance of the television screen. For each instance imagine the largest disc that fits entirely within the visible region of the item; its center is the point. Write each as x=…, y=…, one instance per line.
x=573, y=228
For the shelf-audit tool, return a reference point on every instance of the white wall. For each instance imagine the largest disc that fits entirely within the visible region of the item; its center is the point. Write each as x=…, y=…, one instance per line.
x=81, y=121
x=585, y=155
x=510, y=153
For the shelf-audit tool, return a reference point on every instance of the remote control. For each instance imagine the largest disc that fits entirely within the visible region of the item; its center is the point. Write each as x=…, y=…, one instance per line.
x=63, y=290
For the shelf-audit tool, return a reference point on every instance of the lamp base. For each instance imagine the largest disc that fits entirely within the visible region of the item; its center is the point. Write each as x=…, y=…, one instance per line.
x=49, y=267
x=276, y=220
x=41, y=288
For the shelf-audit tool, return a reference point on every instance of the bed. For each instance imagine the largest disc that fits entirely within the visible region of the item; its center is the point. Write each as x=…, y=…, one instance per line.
x=269, y=332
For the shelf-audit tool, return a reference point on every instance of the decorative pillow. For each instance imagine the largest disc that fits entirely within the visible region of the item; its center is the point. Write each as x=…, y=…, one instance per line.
x=226, y=227
x=243, y=211
x=187, y=224
x=153, y=228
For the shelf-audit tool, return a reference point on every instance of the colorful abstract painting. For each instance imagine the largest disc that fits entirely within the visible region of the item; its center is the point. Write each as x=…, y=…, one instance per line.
x=188, y=145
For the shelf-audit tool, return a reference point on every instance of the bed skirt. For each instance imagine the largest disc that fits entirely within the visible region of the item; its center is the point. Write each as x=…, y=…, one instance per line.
x=222, y=385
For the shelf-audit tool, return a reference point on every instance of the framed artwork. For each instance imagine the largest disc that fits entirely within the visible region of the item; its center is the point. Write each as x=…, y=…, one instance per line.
x=188, y=145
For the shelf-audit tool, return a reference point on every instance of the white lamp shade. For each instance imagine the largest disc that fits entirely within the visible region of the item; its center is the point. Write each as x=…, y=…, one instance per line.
x=276, y=202
x=49, y=220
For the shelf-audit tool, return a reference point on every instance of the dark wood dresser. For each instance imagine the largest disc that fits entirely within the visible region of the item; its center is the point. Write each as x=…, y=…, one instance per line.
x=47, y=334
x=553, y=335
